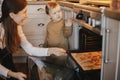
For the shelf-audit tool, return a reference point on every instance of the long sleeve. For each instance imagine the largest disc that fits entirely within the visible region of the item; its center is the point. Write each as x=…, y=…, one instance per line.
x=67, y=31
x=67, y=27
x=27, y=46
x=3, y=71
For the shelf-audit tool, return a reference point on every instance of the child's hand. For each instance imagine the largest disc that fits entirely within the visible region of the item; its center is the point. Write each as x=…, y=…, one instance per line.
x=68, y=22
x=57, y=51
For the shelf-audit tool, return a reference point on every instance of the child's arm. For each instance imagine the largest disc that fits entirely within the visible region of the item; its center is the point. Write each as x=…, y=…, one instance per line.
x=68, y=22
x=68, y=28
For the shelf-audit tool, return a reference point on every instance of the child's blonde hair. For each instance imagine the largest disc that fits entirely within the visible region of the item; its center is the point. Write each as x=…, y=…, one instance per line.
x=50, y=5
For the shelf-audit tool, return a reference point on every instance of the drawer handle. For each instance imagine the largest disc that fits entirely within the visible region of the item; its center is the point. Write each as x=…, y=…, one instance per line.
x=40, y=9
x=41, y=24
x=40, y=45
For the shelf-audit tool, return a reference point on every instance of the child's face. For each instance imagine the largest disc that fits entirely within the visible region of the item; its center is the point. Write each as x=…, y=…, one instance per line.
x=56, y=14
x=20, y=17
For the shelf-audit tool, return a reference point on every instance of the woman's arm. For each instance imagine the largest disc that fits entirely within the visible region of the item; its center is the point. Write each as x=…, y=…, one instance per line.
x=68, y=28
x=3, y=71
x=17, y=75
x=29, y=48
x=36, y=51
x=6, y=72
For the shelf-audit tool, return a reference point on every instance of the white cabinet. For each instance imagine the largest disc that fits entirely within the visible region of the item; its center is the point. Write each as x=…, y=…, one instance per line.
x=35, y=26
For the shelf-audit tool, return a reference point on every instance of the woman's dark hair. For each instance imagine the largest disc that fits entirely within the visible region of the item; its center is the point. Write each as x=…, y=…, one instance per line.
x=12, y=39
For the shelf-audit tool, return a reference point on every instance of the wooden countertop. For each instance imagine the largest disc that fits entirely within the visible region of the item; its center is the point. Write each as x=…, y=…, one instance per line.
x=87, y=26
x=86, y=7
x=99, y=3
x=77, y=5
x=108, y=12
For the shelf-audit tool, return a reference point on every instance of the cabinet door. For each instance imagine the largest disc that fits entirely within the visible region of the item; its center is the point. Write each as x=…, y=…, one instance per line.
x=35, y=26
x=110, y=50
x=35, y=9
x=35, y=30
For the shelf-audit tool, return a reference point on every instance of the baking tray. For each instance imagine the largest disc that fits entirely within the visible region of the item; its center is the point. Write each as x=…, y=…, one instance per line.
x=87, y=60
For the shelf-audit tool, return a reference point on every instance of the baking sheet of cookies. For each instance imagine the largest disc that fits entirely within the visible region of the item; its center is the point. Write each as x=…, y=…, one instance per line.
x=88, y=60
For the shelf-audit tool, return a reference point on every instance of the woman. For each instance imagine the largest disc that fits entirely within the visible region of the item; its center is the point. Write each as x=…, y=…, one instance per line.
x=12, y=37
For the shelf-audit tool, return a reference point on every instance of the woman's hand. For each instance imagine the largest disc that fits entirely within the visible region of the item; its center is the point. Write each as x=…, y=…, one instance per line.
x=17, y=75
x=20, y=76
x=57, y=51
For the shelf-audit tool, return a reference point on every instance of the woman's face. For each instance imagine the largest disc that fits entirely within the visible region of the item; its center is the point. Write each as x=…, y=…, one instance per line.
x=20, y=17
x=56, y=14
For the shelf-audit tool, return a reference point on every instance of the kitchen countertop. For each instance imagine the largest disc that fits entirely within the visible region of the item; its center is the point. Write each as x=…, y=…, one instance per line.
x=99, y=3
x=108, y=12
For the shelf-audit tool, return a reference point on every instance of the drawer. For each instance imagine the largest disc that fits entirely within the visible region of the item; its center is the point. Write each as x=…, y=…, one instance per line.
x=20, y=56
x=20, y=59
x=36, y=42
x=37, y=37
x=40, y=15
x=36, y=9
x=35, y=26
